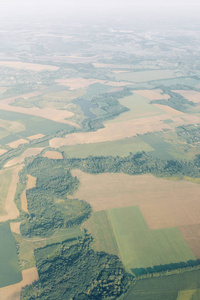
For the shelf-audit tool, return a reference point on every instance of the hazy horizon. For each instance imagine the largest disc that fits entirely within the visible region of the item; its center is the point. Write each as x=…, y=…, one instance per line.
x=94, y=11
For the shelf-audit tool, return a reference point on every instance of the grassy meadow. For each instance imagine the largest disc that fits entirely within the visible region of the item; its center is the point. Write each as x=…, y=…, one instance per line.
x=121, y=147
x=138, y=107
x=9, y=266
x=143, y=76
x=100, y=228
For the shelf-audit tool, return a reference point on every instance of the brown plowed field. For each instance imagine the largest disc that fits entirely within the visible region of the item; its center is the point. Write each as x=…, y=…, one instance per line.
x=53, y=155
x=191, y=235
x=163, y=203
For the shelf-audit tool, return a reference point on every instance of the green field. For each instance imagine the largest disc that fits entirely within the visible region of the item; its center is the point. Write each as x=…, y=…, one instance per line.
x=173, y=287
x=161, y=148
x=9, y=267
x=121, y=147
x=100, y=228
x=143, y=76
x=5, y=180
x=139, y=107
x=166, y=145
x=189, y=81
x=32, y=124
x=140, y=247
x=96, y=89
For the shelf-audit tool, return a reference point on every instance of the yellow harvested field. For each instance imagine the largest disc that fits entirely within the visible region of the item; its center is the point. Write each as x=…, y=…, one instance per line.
x=27, y=66
x=187, y=119
x=193, y=96
x=116, y=83
x=53, y=155
x=31, y=183
x=186, y=295
x=78, y=83
x=163, y=203
x=119, y=71
x=10, y=206
x=15, y=227
x=114, y=131
x=12, y=292
x=16, y=143
x=24, y=204
x=36, y=136
x=112, y=66
x=12, y=126
x=169, y=110
x=2, y=151
x=152, y=94
x=47, y=113
x=24, y=96
x=19, y=159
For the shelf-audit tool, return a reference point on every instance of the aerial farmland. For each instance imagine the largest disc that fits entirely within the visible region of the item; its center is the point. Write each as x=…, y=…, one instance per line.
x=99, y=161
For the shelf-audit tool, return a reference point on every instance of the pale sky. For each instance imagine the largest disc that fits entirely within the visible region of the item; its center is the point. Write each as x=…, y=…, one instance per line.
x=97, y=9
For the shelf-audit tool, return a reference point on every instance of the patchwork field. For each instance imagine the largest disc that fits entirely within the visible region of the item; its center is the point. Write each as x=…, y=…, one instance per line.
x=169, y=110
x=114, y=131
x=77, y=83
x=81, y=83
x=12, y=126
x=122, y=148
x=47, y=113
x=19, y=159
x=152, y=94
x=173, y=287
x=163, y=203
x=16, y=143
x=142, y=248
x=100, y=227
x=9, y=267
x=51, y=99
x=29, y=125
x=12, y=292
x=23, y=97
